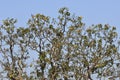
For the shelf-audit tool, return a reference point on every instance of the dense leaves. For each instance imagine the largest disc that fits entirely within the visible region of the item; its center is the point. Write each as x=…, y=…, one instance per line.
x=61, y=48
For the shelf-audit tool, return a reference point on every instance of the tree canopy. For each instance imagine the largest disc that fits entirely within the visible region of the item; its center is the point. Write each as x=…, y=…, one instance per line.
x=64, y=47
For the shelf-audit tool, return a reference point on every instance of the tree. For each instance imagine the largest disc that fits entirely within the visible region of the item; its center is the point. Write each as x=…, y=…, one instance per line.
x=65, y=49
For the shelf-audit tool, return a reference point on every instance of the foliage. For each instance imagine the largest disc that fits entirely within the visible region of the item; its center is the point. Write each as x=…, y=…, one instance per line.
x=65, y=49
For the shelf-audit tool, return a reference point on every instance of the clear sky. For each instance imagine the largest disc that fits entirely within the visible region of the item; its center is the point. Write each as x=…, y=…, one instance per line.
x=93, y=11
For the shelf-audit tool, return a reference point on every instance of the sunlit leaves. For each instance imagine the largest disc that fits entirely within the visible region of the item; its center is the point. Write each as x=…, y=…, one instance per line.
x=65, y=66
x=71, y=28
x=101, y=65
x=9, y=22
x=64, y=11
x=41, y=17
x=106, y=27
x=85, y=62
x=80, y=18
x=6, y=23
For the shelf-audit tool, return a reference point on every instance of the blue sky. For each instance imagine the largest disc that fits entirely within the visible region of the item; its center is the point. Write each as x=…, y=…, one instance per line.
x=93, y=11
